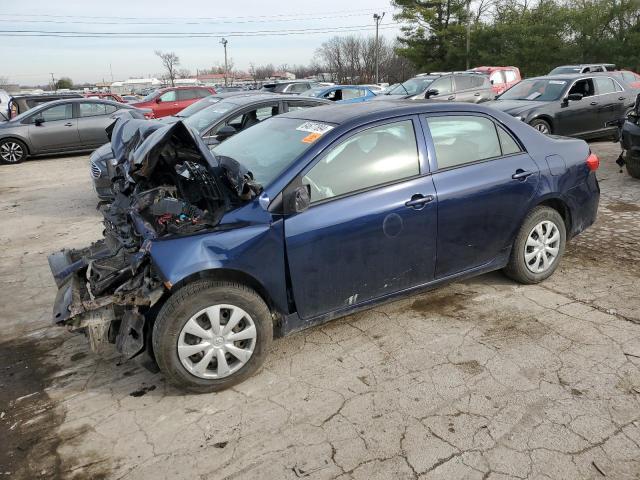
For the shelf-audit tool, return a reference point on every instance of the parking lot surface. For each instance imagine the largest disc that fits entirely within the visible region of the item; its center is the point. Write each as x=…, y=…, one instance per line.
x=481, y=379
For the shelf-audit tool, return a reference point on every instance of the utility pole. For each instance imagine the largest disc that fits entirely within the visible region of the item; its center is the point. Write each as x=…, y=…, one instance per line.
x=377, y=18
x=111, y=71
x=53, y=83
x=226, y=72
x=468, y=31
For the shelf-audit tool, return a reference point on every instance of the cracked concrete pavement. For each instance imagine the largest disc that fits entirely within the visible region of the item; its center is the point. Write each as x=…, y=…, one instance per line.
x=481, y=379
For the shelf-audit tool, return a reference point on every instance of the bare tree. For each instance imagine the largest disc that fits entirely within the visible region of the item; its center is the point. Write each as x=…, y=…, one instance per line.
x=170, y=61
x=183, y=73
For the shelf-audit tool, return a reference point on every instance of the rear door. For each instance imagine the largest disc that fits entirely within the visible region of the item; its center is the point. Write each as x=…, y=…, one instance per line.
x=485, y=183
x=612, y=100
x=93, y=118
x=58, y=131
x=186, y=96
x=370, y=229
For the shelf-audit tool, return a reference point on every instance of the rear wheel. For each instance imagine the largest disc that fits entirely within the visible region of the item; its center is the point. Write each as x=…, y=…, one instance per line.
x=538, y=247
x=632, y=162
x=12, y=151
x=211, y=335
x=541, y=125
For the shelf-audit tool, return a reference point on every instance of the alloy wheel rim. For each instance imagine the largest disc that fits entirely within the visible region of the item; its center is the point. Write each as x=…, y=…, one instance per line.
x=542, y=247
x=11, y=152
x=217, y=341
x=541, y=127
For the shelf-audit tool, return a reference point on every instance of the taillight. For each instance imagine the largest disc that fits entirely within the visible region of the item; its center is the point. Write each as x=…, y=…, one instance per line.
x=593, y=162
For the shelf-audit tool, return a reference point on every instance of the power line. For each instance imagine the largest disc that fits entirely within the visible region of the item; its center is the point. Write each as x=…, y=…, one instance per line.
x=93, y=17
x=80, y=34
x=212, y=22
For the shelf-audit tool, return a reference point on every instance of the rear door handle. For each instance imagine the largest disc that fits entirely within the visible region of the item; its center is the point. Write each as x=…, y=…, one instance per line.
x=477, y=94
x=621, y=98
x=418, y=201
x=68, y=124
x=521, y=174
x=593, y=103
x=452, y=97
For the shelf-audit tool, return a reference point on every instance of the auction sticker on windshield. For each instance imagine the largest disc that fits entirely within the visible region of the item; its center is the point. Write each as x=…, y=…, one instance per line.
x=315, y=127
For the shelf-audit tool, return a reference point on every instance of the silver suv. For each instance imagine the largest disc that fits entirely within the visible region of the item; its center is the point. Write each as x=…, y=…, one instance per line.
x=445, y=87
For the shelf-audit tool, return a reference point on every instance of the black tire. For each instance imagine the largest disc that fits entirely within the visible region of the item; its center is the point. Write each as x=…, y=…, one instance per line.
x=632, y=162
x=517, y=268
x=185, y=303
x=541, y=125
x=10, y=148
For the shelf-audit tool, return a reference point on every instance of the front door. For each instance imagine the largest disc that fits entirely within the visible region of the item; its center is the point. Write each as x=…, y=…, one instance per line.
x=579, y=117
x=485, y=183
x=167, y=104
x=371, y=228
x=56, y=129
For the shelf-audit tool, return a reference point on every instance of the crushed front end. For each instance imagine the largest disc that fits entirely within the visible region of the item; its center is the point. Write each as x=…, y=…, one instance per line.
x=166, y=183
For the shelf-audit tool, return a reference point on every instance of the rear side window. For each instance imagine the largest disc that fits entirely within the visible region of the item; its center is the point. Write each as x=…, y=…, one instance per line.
x=202, y=93
x=462, y=139
x=298, y=87
x=293, y=106
x=92, y=109
x=187, y=94
x=508, y=145
x=496, y=78
x=372, y=157
x=629, y=77
x=348, y=93
x=605, y=85
x=510, y=75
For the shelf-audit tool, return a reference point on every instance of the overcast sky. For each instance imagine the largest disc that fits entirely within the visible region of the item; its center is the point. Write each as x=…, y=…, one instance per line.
x=30, y=60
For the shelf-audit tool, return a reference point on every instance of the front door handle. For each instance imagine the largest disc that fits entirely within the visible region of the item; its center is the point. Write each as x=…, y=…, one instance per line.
x=593, y=103
x=418, y=201
x=621, y=98
x=477, y=94
x=521, y=174
x=68, y=124
x=452, y=97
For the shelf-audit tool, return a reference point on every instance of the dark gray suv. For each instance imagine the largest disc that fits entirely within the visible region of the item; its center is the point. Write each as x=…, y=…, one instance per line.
x=444, y=87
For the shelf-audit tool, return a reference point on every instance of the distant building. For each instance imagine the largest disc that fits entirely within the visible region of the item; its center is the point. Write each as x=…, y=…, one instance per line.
x=182, y=82
x=134, y=85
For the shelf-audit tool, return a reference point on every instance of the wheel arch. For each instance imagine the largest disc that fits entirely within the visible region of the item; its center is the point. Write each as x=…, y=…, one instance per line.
x=562, y=208
x=230, y=275
x=547, y=118
x=19, y=139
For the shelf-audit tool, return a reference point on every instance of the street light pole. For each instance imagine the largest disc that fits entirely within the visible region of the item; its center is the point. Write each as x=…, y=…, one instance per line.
x=377, y=18
x=226, y=72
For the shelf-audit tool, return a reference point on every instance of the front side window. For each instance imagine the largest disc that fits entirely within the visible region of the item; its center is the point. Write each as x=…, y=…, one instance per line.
x=461, y=139
x=442, y=85
x=168, y=96
x=59, y=112
x=510, y=75
x=496, y=78
x=374, y=156
x=92, y=109
x=584, y=87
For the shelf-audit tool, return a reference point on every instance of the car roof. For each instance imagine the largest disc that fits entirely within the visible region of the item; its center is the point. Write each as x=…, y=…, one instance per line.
x=181, y=87
x=263, y=97
x=82, y=100
x=570, y=76
x=368, y=111
x=45, y=95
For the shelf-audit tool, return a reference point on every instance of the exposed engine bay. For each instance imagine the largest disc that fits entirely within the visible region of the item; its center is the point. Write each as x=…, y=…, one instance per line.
x=166, y=182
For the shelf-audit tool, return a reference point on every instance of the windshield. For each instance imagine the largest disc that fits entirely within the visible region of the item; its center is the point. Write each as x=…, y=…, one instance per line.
x=203, y=119
x=270, y=147
x=150, y=96
x=412, y=86
x=538, y=89
x=197, y=106
x=562, y=70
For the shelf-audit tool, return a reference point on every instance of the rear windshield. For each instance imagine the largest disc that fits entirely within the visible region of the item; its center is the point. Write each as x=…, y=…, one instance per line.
x=563, y=70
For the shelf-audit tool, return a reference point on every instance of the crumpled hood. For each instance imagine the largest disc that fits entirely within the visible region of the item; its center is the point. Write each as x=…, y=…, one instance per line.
x=138, y=146
x=514, y=107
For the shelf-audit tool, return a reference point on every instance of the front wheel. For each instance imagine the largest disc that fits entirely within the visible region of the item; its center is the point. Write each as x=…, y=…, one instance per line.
x=211, y=335
x=538, y=247
x=632, y=162
x=541, y=125
x=12, y=151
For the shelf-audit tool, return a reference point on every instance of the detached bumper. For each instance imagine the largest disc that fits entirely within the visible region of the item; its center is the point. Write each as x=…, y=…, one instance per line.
x=73, y=304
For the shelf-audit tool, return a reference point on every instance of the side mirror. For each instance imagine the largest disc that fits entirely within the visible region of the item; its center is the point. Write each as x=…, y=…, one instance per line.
x=431, y=93
x=574, y=97
x=211, y=142
x=300, y=199
x=158, y=100
x=38, y=121
x=491, y=81
x=225, y=132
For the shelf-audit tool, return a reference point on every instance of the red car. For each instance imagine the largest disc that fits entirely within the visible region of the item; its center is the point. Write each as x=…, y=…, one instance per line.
x=629, y=77
x=502, y=78
x=170, y=100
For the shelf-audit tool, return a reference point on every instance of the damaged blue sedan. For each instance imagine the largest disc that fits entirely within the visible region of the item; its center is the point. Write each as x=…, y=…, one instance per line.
x=308, y=216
